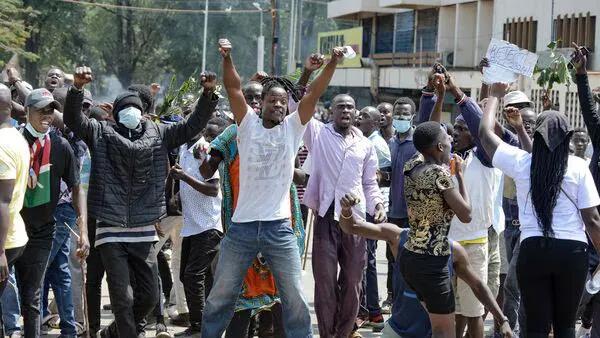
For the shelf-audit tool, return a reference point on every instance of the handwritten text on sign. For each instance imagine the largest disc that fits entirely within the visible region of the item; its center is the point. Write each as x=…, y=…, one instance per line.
x=511, y=57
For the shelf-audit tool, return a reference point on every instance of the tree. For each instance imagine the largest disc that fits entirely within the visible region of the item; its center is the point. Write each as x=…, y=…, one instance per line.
x=13, y=30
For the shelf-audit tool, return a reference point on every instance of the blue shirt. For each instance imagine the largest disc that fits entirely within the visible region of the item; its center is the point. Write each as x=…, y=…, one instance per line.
x=401, y=152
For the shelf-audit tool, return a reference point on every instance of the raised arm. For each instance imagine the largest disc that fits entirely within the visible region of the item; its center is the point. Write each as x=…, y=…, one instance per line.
x=586, y=100
x=312, y=64
x=232, y=83
x=513, y=117
x=489, y=140
x=177, y=134
x=307, y=105
x=86, y=129
x=465, y=272
x=440, y=92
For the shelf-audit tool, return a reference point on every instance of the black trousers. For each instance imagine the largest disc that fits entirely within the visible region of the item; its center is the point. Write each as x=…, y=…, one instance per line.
x=93, y=286
x=30, y=269
x=11, y=257
x=402, y=223
x=197, y=254
x=130, y=306
x=551, y=274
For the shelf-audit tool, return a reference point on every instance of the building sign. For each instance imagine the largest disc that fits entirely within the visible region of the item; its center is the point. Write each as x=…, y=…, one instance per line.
x=346, y=37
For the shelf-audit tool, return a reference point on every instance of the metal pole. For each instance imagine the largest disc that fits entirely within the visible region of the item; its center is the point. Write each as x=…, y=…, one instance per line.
x=291, y=64
x=204, y=40
x=274, y=38
x=261, y=22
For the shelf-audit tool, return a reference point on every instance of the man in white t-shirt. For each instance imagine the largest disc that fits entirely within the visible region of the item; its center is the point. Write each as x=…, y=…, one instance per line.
x=267, y=148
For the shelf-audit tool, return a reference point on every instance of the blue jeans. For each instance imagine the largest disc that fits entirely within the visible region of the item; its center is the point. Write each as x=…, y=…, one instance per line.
x=11, y=310
x=370, y=299
x=277, y=243
x=58, y=274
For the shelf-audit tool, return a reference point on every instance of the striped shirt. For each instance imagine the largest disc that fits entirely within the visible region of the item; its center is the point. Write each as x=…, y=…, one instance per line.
x=108, y=234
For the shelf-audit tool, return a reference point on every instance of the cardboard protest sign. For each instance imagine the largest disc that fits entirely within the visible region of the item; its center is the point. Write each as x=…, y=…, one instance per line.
x=507, y=62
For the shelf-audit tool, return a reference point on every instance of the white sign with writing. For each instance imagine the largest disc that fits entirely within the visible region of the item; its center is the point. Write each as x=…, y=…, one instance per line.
x=507, y=61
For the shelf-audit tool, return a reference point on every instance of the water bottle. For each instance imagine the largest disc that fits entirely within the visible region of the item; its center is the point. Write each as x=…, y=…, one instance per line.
x=593, y=285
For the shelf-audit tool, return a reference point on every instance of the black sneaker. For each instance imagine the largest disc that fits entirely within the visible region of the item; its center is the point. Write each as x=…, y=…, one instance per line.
x=162, y=332
x=189, y=333
x=182, y=319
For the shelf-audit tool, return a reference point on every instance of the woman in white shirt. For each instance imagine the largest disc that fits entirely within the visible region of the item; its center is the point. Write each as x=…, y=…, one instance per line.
x=557, y=204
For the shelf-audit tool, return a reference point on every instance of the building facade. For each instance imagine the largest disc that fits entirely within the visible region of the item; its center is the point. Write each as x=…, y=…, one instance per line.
x=403, y=38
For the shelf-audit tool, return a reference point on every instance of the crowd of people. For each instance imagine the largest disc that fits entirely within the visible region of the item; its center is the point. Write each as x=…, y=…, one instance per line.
x=479, y=217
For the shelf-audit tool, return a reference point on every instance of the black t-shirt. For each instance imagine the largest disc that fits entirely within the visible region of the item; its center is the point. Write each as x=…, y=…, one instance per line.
x=39, y=221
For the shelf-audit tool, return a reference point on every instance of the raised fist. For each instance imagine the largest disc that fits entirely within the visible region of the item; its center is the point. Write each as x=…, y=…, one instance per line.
x=82, y=76
x=314, y=62
x=208, y=81
x=225, y=47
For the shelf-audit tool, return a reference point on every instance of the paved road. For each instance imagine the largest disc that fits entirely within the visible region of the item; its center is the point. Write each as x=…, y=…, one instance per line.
x=308, y=283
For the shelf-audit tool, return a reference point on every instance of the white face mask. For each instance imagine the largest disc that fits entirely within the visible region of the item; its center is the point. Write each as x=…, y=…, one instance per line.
x=34, y=132
x=130, y=117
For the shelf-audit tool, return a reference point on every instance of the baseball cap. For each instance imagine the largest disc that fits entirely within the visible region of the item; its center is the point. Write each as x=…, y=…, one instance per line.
x=516, y=97
x=41, y=98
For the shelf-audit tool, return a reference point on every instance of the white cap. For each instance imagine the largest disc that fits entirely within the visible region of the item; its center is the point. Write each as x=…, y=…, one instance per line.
x=516, y=97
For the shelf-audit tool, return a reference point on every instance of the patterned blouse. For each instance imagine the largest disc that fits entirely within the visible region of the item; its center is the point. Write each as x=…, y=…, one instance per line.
x=428, y=213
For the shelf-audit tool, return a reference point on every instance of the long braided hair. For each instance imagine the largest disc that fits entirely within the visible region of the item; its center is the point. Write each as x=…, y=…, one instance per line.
x=547, y=171
x=281, y=82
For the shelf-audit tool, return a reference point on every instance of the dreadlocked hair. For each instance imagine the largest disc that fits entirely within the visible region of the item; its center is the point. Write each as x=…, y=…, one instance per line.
x=271, y=82
x=547, y=171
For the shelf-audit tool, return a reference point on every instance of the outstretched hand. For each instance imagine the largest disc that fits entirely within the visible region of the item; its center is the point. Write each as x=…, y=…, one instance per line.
x=314, y=62
x=83, y=75
x=259, y=76
x=208, y=81
x=13, y=75
x=225, y=48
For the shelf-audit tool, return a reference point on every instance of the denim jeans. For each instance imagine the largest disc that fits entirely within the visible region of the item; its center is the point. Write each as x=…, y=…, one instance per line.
x=58, y=274
x=11, y=310
x=276, y=241
x=370, y=299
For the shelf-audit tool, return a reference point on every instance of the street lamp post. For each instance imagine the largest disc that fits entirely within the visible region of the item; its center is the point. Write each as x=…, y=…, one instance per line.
x=204, y=40
x=260, y=44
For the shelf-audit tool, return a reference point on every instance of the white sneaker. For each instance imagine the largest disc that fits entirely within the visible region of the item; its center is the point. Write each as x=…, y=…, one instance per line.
x=172, y=311
x=16, y=334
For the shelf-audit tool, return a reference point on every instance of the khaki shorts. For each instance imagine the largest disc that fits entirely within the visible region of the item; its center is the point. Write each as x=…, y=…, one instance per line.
x=467, y=304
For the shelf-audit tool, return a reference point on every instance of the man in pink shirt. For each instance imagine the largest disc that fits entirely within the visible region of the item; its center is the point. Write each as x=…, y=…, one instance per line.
x=343, y=161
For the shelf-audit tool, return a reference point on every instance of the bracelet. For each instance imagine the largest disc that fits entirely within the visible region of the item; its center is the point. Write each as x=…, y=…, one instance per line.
x=345, y=217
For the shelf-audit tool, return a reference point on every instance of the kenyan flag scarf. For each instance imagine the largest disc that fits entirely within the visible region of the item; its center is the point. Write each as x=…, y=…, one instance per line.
x=38, y=184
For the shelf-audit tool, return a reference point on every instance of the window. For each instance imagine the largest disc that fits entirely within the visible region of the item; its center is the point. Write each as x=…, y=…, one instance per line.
x=521, y=32
x=405, y=32
x=367, y=29
x=427, y=27
x=385, y=34
x=579, y=29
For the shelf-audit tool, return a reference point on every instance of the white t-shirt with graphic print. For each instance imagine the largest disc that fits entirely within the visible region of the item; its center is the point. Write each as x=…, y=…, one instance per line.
x=267, y=158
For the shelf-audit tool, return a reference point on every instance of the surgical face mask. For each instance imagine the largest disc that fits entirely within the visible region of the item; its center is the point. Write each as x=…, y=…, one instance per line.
x=402, y=126
x=130, y=117
x=34, y=132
